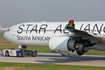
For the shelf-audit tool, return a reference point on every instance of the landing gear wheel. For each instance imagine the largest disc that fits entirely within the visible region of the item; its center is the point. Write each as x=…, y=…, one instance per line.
x=6, y=53
x=80, y=51
x=20, y=54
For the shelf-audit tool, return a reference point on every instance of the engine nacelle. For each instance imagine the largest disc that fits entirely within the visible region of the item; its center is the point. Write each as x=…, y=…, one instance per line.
x=62, y=44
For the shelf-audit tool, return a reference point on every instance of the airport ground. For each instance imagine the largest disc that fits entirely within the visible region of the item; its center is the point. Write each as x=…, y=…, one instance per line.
x=33, y=66
x=50, y=66
x=53, y=61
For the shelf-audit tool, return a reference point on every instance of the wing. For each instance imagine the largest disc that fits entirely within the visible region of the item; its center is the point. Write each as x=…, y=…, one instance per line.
x=78, y=33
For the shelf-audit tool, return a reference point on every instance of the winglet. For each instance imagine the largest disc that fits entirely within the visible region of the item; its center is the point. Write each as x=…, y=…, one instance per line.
x=70, y=25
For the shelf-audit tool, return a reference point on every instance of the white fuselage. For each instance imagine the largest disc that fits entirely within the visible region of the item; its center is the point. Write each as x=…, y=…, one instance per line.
x=38, y=34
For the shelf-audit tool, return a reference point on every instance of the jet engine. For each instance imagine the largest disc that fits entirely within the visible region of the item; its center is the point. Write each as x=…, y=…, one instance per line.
x=63, y=44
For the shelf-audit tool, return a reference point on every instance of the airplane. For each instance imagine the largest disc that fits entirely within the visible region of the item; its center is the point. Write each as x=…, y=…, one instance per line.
x=67, y=38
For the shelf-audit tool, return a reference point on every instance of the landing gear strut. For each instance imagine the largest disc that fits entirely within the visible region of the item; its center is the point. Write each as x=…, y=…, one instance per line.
x=22, y=47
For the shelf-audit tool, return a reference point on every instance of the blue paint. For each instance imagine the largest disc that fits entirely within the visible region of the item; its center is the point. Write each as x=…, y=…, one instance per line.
x=35, y=38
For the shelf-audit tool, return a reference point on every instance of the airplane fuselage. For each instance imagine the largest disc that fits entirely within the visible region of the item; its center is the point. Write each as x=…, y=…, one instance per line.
x=38, y=34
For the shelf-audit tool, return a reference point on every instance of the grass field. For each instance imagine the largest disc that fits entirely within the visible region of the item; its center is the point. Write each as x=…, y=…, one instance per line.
x=1, y=32
x=1, y=36
x=32, y=66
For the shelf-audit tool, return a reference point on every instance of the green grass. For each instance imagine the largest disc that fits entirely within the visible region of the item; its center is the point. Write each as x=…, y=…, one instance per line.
x=8, y=46
x=1, y=32
x=1, y=36
x=33, y=66
x=95, y=52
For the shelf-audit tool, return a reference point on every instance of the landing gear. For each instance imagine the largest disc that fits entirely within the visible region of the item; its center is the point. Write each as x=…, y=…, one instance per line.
x=24, y=52
x=22, y=47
